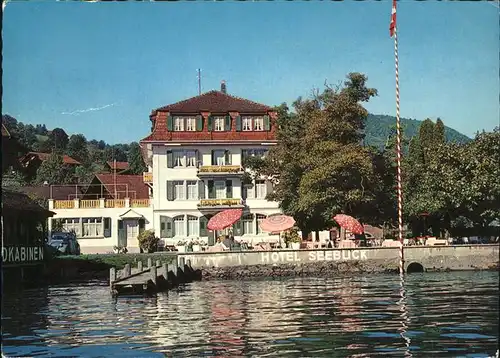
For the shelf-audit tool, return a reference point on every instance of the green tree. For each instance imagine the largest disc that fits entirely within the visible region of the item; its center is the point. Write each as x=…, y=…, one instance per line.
x=135, y=160
x=77, y=148
x=53, y=171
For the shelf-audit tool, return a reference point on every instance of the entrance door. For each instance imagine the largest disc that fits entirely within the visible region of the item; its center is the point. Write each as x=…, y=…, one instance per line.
x=132, y=229
x=122, y=234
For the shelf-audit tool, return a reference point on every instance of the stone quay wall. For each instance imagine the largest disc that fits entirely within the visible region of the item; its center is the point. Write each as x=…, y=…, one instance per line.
x=327, y=262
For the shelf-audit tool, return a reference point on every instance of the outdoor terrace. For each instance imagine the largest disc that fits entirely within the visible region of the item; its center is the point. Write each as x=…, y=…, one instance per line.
x=98, y=203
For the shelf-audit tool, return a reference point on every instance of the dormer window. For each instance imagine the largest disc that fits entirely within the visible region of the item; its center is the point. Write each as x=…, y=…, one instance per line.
x=247, y=124
x=258, y=124
x=178, y=124
x=191, y=124
x=219, y=124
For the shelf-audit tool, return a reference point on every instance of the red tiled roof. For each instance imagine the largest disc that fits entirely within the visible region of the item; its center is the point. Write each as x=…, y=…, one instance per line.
x=215, y=102
x=12, y=200
x=118, y=165
x=44, y=156
x=56, y=192
x=133, y=185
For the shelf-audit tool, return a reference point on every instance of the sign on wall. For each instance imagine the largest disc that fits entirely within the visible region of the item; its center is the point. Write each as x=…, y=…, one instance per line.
x=22, y=254
x=312, y=256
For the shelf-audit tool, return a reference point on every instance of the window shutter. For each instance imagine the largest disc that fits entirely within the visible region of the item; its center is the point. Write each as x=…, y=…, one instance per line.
x=211, y=191
x=199, y=159
x=238, y=124
x=199, y=123
x=142, y=225
x=237, y=231
x=227, y=157
x=120, y=224
x=170, y=123
x=107, y=227
x=213, y=158
x=170, y=159
x=163, y=226
x=203, y=226
x=267, y=123
x=229, y=189
x=169, y=227
x=170, y=190
x=228, y=123
x=269, y=187
x=201, y=189
x=210, y=120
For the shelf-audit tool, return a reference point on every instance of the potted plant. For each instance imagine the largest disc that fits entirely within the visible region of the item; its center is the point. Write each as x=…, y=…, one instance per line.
x=181, y=246
x=148, y=242
x=292, y=238
x=196, y=245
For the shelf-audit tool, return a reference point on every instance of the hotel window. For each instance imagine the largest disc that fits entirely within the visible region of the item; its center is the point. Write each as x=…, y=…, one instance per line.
x=219, y=157
x=191, y=124
x=178, y=158
x=248, y=224
x=179, y=225
x=192, y=190
x=246, y=123
x=178, y=124
x=220, y=189
x=193, y=227
x=179, y=190
x=259, y=219
x=260, y=189
x=92, y=227
x=71, y=225
x=219, y=124
x=258, y=124
x=191, y=158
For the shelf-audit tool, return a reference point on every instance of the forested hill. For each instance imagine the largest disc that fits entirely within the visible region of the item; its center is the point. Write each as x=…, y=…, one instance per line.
x=379, y=126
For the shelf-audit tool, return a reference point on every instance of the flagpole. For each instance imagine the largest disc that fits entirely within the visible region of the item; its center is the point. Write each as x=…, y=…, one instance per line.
x=394, y=32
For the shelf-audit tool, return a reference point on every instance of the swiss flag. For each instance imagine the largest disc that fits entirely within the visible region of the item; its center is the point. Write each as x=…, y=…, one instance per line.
x=392, y=26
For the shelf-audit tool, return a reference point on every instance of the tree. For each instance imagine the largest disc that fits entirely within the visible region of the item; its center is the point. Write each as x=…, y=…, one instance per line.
x=54, y=171
x=58, y=140
x=26, y=135
x=319, y=167
x=77, y=148
x=135, y=160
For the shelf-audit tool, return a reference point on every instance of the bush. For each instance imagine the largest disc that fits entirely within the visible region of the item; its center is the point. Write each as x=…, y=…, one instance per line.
x=148, y=242
x=291, y=235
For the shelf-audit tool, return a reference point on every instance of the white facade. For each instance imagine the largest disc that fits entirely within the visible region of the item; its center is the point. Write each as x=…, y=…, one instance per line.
x=185, y=177
x=99, y=227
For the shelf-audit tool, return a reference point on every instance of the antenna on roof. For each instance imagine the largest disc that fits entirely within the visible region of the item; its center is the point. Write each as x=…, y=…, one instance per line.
x=199, y=81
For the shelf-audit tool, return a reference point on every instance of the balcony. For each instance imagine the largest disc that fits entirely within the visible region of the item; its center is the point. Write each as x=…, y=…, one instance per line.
x=220, y=170
x=98, y=204
x=147, y=178
x=220, y=204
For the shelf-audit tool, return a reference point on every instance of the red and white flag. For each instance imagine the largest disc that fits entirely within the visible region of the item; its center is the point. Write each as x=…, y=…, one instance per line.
x=392, y=26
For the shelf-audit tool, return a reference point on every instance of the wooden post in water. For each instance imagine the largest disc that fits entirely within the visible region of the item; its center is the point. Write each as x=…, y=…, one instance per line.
x=127, y=270
x=139, y=266
x=164, y=269
x=150, y=262
x=158, y=263
x=188, y=262
x=112, y=276
x=173, y=268
x=181, y=262
x=153, y=274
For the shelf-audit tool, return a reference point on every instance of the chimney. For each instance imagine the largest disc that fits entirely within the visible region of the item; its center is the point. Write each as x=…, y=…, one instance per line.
x=223, y=86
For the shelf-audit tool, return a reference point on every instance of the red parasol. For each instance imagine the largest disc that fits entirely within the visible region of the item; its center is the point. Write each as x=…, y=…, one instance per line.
x=277, y=223
x=349, y=223
x=224, y=219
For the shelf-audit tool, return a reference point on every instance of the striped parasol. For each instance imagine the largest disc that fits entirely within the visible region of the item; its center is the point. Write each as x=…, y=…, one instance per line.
x=277, y=223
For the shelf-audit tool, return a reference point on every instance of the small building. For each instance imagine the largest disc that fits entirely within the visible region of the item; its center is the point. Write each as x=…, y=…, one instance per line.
x=111, y=211
x=31, y=161
x=24, y=229
x=117, y=167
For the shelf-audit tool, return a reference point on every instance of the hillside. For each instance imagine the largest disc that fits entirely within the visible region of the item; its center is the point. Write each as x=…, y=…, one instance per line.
x=379, y=126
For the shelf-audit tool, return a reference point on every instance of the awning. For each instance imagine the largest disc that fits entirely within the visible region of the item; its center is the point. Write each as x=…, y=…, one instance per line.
x=131, y=214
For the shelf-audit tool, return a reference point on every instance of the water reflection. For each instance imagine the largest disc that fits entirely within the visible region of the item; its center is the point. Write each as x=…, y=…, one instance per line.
x=347, y=316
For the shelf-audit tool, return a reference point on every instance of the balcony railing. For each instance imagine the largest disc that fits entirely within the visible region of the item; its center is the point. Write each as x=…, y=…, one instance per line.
x=220, y=169
x=147, y=177
x=98, y=204
x=220, y=202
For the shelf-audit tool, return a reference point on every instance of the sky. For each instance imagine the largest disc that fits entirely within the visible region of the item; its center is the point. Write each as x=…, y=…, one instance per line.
x=100, y=68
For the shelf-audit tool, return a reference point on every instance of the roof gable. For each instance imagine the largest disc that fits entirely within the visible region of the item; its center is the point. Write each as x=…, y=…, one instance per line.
x=215, y=102
x=118, y=165
x=131, y=186
x=45, y=156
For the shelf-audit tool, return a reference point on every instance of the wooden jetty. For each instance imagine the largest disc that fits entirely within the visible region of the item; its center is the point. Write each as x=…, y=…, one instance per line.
x=151, y=278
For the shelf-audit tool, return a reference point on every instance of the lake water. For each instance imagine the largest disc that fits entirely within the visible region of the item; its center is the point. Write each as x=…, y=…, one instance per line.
x=440, y=314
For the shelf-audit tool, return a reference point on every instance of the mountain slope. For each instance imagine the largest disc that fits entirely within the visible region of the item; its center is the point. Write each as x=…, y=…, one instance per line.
x=378, y=127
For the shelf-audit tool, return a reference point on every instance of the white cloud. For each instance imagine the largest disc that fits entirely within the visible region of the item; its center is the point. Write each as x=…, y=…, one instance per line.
x=79, y=111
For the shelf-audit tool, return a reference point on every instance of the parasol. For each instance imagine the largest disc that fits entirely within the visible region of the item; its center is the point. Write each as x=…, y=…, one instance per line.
x=277, y=223
x=349, y=223
x=224, y=219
